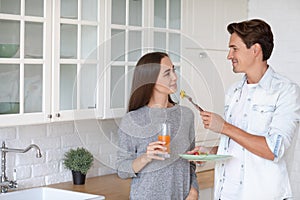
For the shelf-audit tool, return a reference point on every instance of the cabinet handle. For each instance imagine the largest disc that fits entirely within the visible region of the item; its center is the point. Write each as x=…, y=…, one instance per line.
x=57, y=114
x=202, y=55
x=91, y=107
x=49, y=116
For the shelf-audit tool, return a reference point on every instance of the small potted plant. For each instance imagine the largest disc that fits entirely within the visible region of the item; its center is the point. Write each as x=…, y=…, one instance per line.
x=79, y=161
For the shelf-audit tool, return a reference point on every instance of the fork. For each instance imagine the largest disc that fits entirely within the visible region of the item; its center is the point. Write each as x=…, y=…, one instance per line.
x=191, y=100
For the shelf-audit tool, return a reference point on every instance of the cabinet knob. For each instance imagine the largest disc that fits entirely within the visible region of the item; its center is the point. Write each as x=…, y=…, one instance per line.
x=49, y=116
x=57, y=114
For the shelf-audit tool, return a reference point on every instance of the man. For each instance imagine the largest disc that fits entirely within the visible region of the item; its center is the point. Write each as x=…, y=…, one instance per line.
x=262, y=114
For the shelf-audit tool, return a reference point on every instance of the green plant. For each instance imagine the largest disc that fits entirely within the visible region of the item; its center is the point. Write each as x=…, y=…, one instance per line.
x=78, y=159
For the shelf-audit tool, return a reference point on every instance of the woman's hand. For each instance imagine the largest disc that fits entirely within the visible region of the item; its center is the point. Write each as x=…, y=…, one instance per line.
x=152, y=152
x=193, y=194
x=203, y=150
x=154, y=149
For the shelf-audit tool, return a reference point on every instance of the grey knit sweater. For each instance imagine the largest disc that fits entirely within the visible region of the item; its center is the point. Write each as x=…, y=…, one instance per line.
x=170, y=179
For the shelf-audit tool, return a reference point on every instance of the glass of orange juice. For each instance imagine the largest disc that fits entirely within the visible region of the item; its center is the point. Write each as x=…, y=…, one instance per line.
x=165, y=136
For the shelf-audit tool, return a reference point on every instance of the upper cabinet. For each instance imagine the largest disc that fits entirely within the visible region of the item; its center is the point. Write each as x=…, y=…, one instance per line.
x=206, y=72
x=49, y=60
x=135, y=27
x=25, y=60
x=205, y=21
x=76, y=58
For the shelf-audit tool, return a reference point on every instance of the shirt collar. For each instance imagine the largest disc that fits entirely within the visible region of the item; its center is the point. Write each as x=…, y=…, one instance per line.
x=265, y=81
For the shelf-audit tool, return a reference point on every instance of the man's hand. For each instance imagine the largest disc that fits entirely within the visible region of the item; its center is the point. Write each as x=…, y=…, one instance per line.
x=212, y=121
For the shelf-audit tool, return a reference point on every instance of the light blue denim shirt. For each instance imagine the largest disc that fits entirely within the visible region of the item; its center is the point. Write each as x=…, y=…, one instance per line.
x=274, y=113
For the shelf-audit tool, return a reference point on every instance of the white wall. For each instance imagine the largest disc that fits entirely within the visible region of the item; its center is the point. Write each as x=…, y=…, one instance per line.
x=284, y=18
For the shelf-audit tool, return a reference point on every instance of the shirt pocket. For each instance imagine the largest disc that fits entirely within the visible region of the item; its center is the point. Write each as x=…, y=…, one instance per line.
x=261, y=118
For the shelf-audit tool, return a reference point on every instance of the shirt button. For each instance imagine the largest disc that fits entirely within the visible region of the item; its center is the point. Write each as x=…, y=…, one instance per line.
x=222, y=164
x=237, y=100
x=245, y=115
x=242, y=166
x=241, y=182
x=249, y=99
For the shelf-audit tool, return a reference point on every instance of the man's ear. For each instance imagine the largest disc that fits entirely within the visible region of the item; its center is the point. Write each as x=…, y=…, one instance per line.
x=256, y=48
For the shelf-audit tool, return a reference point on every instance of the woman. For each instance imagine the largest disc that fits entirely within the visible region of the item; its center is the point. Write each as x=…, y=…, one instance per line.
x=139, y=155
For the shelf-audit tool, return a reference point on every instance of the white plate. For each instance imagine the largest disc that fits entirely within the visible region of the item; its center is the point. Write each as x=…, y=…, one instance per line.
x=205, y=157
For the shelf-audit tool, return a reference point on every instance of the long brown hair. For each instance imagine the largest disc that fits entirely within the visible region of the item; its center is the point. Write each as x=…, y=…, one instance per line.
x=144, y=79
x=254, y=31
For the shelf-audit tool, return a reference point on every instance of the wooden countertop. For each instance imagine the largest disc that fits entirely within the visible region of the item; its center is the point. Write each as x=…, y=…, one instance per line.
x=114, y=188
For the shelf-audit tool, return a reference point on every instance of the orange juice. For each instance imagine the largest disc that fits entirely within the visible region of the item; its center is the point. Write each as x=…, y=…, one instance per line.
x=167, y=139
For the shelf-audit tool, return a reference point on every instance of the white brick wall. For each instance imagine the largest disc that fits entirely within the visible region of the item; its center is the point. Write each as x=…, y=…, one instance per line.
x=284, y=18
x=54, y=140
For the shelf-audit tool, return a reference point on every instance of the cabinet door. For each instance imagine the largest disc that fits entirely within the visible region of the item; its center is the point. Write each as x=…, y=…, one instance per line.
x=167, y=35
x=124, y=46
x=76, y=59
x=25, y=62
x=206, y=21
x=206, y=71
x=137, y=27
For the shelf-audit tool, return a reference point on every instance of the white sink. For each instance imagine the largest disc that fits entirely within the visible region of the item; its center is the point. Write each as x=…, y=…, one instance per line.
x=45, y=193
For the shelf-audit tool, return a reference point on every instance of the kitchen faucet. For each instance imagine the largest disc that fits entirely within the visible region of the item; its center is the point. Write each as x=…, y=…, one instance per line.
x=5, y=184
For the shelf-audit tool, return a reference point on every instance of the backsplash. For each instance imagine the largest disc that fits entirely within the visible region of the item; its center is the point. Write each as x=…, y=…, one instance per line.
x=54, y=139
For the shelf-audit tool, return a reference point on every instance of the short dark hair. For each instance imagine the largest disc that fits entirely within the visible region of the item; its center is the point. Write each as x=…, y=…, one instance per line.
x=252, y=32
x=144, y=79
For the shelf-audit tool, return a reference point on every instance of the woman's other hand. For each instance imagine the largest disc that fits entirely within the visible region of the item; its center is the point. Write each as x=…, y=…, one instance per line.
x=193, y=194
x=203, y=150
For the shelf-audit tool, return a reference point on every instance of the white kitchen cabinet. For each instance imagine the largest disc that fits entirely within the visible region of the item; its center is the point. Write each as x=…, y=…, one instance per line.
x=76, y=59
x=87, y=50
x=26, y=72
x=206, y=71
x=205, y=21
x=178, y=27
x=135, y=28
x=53, y=75
x=207, y=194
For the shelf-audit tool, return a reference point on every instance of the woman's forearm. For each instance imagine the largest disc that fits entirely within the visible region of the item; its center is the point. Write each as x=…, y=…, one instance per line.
x=140, y=162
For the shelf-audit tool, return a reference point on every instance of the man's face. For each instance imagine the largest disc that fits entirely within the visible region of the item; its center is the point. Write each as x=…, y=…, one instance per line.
x=241, y=57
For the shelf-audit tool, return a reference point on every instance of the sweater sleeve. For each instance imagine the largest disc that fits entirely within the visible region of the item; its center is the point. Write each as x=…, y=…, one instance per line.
x=125, y=156
x=194, y=182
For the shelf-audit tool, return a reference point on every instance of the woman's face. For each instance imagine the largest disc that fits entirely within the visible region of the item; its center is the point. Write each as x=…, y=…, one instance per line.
x=167, y=79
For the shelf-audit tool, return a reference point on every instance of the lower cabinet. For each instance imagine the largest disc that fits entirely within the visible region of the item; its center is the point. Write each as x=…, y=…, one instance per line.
x=206, y=194
x=206, y=183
